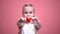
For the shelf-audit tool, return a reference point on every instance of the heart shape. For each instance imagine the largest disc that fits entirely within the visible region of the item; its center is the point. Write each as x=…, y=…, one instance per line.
x=28, y=19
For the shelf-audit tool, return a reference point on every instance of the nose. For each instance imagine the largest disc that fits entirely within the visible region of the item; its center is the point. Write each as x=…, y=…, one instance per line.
x=28, y=14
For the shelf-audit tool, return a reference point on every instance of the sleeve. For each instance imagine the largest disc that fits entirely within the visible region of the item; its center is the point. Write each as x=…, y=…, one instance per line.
x=19, y=23
x=38, y=25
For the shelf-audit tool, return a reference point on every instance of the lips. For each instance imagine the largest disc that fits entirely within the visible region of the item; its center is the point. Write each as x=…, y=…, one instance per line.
x=28, y=19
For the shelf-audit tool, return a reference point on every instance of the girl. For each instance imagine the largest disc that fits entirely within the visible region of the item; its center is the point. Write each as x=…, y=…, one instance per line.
x=28, y=23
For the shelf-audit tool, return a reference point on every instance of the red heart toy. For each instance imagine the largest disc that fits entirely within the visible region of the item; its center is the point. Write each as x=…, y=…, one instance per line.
x=28, y=19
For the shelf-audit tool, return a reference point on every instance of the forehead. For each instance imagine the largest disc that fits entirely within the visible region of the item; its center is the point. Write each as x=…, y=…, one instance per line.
x=29, y=8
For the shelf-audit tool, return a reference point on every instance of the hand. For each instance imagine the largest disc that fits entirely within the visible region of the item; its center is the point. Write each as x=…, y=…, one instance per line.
x=34, y=21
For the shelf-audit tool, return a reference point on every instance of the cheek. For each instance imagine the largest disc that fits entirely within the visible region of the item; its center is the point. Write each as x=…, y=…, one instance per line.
x=31, y=14
x=25, y=14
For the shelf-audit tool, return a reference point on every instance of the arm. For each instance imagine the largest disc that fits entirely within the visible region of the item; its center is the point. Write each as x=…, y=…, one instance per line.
x=37, y=24
x=20, y=23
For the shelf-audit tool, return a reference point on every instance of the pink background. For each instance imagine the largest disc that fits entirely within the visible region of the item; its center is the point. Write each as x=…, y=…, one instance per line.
x=46, y=10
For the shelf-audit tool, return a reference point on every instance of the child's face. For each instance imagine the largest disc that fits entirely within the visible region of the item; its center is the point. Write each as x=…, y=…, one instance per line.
x=28, y=12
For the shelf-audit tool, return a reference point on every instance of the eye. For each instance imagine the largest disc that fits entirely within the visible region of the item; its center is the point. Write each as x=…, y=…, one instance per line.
x=30, y=12
x=26, y=12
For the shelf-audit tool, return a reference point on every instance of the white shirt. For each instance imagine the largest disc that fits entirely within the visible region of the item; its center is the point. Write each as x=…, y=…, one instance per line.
x=28, y=29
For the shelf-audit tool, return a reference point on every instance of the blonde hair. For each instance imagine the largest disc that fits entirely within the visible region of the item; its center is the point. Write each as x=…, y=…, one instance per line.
x=26, y=5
